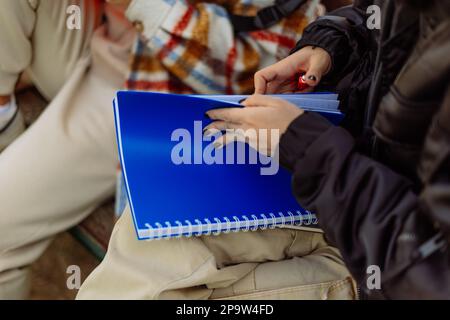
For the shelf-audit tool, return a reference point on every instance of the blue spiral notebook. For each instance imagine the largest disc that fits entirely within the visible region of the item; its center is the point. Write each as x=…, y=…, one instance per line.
x=196, y=197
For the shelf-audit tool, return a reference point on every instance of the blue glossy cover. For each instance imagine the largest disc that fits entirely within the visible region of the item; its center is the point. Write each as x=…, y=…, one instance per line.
x=170, y=200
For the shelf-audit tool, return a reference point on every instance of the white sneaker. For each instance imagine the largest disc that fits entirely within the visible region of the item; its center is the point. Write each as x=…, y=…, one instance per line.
x=12, y=129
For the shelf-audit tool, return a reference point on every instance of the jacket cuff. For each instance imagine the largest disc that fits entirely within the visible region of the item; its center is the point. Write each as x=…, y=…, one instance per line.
x=301, y=133
x=327, y=35
x=151, y=14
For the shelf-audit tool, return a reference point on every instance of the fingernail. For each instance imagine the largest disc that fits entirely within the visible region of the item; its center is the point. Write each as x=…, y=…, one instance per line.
x=312, y=78
x=207, y=133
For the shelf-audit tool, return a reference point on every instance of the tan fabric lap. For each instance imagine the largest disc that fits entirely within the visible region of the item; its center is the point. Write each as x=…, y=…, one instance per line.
x=213, y=267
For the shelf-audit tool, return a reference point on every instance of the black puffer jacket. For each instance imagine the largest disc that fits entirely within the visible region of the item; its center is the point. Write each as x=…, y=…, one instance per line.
x=381, y=184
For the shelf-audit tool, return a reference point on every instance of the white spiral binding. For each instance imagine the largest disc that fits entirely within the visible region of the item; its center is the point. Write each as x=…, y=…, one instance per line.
x=169, y=227
x=292, y=217
x=247, y=224
x=309, y=219
x=225, y=225
x=300, y=222
x=237, y=222
x=265, y=222
x=255, y=226
x=218, y=231
x=209, y=227
x=274, y=219
x=180, y=229
x=150, y=231
x=159, y=228
x=228, y=229
x=283, y=219
x=189, y=234
x=200, y=228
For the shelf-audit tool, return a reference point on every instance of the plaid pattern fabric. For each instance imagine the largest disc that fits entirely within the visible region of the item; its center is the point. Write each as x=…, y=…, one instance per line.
x=194, y=49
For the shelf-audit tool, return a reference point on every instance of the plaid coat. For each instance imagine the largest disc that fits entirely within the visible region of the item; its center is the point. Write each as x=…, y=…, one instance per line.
x=190, y=46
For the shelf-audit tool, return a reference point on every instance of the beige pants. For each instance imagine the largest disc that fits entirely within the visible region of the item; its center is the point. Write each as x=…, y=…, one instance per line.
x=64, y=165
x=34, y=38
x=269, y=264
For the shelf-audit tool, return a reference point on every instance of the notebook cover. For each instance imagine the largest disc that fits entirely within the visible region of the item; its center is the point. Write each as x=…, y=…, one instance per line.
x=163, y=195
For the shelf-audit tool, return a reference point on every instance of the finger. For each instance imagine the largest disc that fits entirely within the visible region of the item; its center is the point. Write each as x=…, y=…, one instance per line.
x=260, y=82
x=220, y=126
x=265, y=76
x=227, y=114
x=259, y=100
x=228, y=138
x=279, y=84
x=312, y=77
x=315, y=71
x=215, y=126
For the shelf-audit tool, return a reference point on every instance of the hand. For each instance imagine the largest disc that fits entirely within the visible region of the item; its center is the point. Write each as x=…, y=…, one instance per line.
x=268, y=116
x=282, y=76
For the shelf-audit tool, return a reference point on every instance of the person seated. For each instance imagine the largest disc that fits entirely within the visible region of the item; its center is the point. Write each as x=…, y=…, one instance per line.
x=265, y=264
x=380, y=183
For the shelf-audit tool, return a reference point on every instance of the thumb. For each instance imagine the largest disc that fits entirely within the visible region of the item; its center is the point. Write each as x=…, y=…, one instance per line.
x=316, y=70
x=313, y=76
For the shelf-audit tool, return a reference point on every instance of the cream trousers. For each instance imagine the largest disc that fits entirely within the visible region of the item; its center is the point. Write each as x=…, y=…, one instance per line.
x=266, y=264
x=64, y=165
